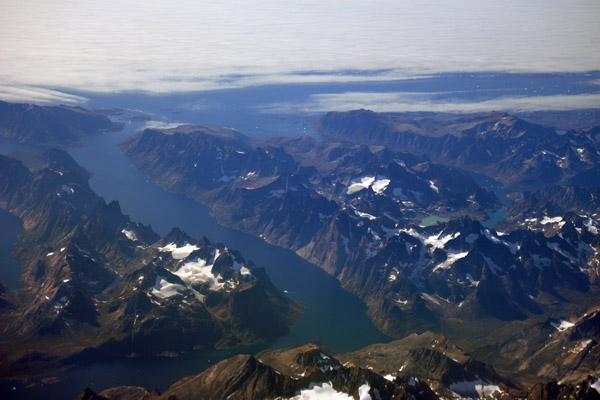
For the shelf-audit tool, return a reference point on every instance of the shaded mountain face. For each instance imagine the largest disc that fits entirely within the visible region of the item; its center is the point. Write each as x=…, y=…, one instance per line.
x=545, y=209
x=96, y=285
x=517, y=153
x=356, y=210
x=49, y=125
x=432, y=358
x=351, y=209
x=426, y=366
x=303, y=372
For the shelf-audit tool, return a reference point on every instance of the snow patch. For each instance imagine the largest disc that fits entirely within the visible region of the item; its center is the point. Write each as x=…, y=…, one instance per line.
x=596, y=385
x=591, y=227
x=321, y=391
x=562, y=326
x=451, y=258
x=380, y=184
x=468, y=388
x=179, y=253
x=548, y=220
x=433, y=187
x=165, y=289
x=363, y=392
x=360, y=184
x=242, y=269
x=129, y=234
x=437, y=241
x=580, y=346
x=430, y=298
x=365, y=215
x=198, y=271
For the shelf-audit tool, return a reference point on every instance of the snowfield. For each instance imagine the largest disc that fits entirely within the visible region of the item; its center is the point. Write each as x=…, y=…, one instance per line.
x=179, y=253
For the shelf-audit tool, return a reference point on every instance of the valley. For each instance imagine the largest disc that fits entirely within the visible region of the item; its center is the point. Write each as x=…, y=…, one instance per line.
x=475, y=291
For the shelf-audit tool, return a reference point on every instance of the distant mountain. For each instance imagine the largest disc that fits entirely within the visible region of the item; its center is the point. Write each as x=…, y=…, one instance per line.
x=50, y=125
x=517, y=153
x=96, y=285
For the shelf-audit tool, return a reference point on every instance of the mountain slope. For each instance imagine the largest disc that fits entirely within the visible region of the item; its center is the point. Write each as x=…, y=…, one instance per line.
x=96, y=285
x=49, y=125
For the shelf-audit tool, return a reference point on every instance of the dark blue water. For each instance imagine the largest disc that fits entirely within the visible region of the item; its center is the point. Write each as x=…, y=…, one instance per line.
x=332, y=316
x=10, y=228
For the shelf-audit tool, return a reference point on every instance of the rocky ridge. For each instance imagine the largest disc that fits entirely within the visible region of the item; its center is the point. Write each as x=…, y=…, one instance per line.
x=50, y=125
x=96, y=285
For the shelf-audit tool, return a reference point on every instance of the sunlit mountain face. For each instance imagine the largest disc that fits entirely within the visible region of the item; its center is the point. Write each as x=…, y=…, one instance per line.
x=316, y=200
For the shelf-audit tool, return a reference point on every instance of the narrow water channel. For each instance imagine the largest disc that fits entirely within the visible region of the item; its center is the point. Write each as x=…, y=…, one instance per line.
x=332, y=316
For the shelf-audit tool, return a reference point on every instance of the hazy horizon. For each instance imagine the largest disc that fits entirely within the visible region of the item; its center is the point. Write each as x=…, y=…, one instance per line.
x=193, y=46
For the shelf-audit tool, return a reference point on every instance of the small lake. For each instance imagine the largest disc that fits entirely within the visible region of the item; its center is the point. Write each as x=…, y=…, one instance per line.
x=494, y=218
x=432, y=220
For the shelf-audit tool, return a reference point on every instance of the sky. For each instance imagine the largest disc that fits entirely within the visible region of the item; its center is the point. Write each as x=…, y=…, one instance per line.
x=50, y=49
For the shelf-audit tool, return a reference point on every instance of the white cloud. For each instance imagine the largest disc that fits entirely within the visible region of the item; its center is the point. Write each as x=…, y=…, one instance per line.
x=37, y=95
x=185, y=45
x=427, y=101
x=162, y=125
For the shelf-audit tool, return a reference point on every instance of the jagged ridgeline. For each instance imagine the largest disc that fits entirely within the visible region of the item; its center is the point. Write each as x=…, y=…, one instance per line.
x=96, y=285
x=356, y=211
x=51, y=125
x=423, y=366
x=357, y=205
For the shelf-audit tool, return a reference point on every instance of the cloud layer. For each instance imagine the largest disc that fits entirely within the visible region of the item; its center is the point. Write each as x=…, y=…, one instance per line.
x=185, y=45
x=423, y=101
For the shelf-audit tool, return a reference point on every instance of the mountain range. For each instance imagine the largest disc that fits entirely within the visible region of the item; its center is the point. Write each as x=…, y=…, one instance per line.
x=472, y=239
x=355, y=204
x=96, y=285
